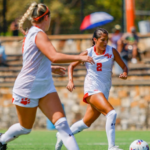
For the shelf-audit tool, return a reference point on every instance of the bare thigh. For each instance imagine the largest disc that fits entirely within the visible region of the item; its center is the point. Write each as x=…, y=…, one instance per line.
x=99, y=102
x=91, y=115
x=26, y=116
x=51, y=106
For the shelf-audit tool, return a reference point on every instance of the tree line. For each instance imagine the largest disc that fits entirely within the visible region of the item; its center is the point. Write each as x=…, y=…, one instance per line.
x=66, y=14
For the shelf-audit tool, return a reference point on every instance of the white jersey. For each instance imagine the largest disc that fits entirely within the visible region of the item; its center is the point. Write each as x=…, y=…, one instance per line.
x=98, y=78
x=35, y=79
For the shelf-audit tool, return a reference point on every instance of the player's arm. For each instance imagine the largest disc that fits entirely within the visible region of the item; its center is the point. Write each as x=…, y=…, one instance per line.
x=120, y=62
x=46, y=47
x=58, y=70
x=71, y=67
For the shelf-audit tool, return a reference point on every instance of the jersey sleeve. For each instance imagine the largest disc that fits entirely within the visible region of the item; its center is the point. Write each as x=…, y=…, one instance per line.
x=89, y=50
x=35, y=36
x=110, y=51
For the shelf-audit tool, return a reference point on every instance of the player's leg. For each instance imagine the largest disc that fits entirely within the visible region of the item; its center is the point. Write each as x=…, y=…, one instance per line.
x=99, y=102
x=51, y=106
x=90, y=116
x=26, y=118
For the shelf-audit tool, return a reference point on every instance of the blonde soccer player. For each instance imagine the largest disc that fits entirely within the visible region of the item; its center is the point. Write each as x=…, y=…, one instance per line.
x=97, y=86
x=34, y=85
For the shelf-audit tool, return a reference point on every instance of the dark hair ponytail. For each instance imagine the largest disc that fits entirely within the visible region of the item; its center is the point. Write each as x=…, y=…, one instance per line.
x=97, y=34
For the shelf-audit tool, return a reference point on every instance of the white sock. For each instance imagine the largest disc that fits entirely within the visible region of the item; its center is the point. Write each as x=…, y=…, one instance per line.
x=13, y=132
x=66, y=135
x=110, y=127
x=78, y=127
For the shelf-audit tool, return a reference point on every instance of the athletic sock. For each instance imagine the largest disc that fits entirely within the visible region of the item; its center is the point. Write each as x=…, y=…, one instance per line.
x=110, y=127
x=66, y=135
x=78, y=127
x=13, y=132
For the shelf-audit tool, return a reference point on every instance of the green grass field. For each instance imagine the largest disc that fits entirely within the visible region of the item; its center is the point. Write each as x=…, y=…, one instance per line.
x=87, y=140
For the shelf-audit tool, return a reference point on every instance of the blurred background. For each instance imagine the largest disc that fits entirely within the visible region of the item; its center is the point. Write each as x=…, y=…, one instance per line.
x=129, y=27
x=67, y=15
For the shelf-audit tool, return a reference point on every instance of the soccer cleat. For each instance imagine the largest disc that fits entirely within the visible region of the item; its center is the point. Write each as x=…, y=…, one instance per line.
x=115, y=148
x=2, y=147
x=59, y=142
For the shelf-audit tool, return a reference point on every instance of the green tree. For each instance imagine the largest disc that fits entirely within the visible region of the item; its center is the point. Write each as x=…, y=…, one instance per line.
x=66, y=14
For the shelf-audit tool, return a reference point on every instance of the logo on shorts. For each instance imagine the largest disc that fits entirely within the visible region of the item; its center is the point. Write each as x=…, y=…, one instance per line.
x=12, y=100
x=25, y=101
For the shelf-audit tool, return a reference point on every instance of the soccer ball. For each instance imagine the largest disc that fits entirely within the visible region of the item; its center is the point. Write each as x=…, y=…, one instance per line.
x=139, y=145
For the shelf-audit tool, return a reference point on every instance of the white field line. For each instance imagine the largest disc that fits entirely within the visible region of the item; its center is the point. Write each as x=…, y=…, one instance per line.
x=123, y=143
x=101, y=143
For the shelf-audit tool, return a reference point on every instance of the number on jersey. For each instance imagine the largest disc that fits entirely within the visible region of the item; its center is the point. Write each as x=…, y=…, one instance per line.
x=99, y=66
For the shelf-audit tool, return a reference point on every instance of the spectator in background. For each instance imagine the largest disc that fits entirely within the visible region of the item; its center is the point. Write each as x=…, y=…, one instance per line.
x=129, y=42
x=128, y=49
x=14, y=28
x=116, y=36
x=3, y=56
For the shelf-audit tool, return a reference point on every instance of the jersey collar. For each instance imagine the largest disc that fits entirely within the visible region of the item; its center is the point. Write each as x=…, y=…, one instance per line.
x=97, y=53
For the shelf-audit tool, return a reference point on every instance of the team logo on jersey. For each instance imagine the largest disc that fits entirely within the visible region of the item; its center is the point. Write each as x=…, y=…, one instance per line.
x=25, y=101
x=108, y=55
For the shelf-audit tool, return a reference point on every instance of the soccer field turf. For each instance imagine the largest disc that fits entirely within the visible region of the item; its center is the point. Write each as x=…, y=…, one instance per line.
x=87, y=140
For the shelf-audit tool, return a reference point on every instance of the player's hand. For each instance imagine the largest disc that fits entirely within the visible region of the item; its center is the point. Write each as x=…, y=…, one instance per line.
x=58, y=70
x=123, y=76
x=70, y=86
x=87, y=59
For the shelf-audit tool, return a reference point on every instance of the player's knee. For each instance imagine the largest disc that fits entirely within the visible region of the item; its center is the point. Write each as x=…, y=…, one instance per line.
x=112, y=113
x=57, y=117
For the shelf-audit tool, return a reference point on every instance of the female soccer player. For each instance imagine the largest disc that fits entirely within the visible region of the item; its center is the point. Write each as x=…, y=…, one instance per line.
x=97, y=86
x=34, y=85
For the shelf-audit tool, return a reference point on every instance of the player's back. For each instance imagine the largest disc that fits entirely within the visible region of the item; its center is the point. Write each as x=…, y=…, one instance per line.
x=35, y=76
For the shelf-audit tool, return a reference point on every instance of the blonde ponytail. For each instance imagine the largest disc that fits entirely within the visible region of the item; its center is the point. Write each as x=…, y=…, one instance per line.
x=26, y=16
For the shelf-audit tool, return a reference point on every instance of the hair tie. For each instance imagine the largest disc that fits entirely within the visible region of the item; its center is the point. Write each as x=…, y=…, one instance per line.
x=37, y=18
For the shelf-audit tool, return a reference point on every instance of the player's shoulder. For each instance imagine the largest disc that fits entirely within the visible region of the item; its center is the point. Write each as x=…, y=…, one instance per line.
x=109, y=48
x=35, y=30
x=90, y=50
